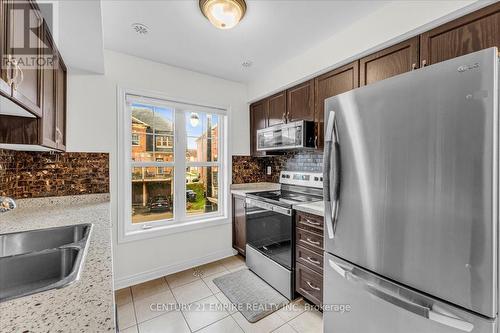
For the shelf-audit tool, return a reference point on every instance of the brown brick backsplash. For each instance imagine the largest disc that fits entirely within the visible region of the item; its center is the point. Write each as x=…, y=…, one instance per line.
x=248, y=169
x=46, y=174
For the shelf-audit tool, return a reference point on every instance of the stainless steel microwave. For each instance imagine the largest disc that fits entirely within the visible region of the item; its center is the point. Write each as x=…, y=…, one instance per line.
x=295, y=135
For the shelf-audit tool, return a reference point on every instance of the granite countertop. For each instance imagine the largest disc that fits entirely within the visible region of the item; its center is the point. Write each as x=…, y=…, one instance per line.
x=316, y=208
x=87, y=305
x=243, y=189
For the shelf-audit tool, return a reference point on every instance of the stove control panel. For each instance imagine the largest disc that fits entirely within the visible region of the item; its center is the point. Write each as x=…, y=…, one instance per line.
x=310, y=179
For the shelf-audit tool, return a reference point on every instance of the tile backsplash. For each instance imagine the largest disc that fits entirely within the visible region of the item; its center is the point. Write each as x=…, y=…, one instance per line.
x=46, y=174
x=248, y=169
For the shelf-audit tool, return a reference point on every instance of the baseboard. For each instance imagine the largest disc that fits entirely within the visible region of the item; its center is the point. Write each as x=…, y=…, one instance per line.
x=170, y=269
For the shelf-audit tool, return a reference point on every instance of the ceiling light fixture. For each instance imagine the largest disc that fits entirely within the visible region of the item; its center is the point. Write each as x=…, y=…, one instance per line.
x=223, y=14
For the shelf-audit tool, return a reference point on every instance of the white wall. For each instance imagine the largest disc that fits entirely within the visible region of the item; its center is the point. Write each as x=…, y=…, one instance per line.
x=392, y=23
x=92, y=127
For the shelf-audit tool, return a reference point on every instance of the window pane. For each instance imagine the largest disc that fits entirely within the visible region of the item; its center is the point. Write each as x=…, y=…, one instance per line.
x=164, y=134
x=202, y=136
x=152, y=194
x=143, y=151
x=142, y=130
x=202, y=190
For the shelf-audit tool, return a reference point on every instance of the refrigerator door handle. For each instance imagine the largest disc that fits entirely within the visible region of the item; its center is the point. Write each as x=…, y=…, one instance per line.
x=434, y=313
x=330, y=193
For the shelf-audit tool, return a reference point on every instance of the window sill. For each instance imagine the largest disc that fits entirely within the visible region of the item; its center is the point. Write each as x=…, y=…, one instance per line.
x=174, y=228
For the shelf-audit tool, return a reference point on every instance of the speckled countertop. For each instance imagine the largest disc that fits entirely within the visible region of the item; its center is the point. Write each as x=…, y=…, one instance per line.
x=87, y=305
x=316, y=208
x=243, y=189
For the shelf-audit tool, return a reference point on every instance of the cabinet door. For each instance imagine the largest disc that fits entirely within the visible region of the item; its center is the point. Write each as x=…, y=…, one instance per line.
x=476, y=31
x=277, y=109
x=394, y=60
x=258, y=120
x=239, y=224
x=49, y=118
x=300, y=102
x=5, y=87
x=24, y=43
x=61, y=104
x=330, y=84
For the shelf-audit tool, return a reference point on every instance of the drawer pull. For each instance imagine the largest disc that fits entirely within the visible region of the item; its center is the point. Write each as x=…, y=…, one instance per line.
x=312, y=286
x=313, y=261
x=309, y=240
x=312, y=222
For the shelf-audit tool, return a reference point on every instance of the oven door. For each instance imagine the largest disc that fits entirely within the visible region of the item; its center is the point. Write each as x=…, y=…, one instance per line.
x=269, y=231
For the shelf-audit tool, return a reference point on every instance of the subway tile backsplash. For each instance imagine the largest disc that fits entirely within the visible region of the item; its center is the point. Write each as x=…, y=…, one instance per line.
x=248, y=169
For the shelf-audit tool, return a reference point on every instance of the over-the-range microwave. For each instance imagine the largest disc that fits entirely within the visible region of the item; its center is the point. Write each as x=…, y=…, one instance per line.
x=294, y=135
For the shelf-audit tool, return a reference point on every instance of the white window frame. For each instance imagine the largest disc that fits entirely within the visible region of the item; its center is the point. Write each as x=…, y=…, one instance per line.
x=127, y=231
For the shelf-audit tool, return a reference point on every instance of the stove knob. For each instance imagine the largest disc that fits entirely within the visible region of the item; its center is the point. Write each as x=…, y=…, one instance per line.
x=316, y=179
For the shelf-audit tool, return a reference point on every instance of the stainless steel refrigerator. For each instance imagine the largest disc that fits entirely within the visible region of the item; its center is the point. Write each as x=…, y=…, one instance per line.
x=411, y=202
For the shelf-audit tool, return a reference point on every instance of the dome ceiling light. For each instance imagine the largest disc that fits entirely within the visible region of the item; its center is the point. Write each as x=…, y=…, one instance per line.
x=223, y=14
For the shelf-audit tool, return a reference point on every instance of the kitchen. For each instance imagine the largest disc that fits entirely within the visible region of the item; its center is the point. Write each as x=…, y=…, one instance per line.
x=288, y=217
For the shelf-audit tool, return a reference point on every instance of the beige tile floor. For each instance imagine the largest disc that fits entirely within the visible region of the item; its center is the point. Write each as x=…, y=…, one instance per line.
x=209, y=310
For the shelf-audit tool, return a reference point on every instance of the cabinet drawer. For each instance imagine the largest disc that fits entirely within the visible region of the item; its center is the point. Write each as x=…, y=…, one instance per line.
x=308, y=221
x=310, y=240
x=310, y=259
x=309, y=284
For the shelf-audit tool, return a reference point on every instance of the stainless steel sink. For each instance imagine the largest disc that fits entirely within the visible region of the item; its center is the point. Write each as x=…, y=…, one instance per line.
x=41, y=239
x=39, y=260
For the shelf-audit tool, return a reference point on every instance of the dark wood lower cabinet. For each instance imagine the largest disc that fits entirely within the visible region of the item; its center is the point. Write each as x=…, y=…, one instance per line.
x=239, y=224
x=309, y=257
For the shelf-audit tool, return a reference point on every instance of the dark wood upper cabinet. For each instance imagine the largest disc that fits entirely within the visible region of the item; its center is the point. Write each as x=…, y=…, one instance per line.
x=300, y=102
x=394, y=60
x=24, y=42
x=239, y=224
x=35, y=76
x=61, y=103
x=277, y=109
x=49, y=116
x=258, y=120
x=330, y=84
x=476, y=31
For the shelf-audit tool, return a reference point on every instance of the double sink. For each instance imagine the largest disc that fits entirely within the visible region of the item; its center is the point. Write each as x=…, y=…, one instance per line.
x=39, y=260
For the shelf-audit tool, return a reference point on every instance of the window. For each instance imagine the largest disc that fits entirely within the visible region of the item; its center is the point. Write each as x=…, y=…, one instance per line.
x=136, y=141
x=175, y=163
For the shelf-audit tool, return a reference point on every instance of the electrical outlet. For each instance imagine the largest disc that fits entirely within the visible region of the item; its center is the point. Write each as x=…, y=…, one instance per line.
x=269, y=170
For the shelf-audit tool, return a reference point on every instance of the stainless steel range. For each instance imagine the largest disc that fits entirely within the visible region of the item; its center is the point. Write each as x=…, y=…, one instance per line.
x=270, y=225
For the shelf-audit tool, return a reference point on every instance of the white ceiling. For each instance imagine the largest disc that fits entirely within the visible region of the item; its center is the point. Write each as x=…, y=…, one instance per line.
x=271, y=32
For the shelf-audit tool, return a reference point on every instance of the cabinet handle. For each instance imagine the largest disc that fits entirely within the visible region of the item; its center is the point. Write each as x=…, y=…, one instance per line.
x=316, y=141
x=413, y=66
x=283, y=119
x=424, y=63
x=313, y=261
x=312, y=222
x=312, y=286
x=312, y=242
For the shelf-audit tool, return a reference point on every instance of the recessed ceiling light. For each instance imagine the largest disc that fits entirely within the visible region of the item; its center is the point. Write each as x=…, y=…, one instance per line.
x=223, y=14
x=247, y=63
x=140, y=28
